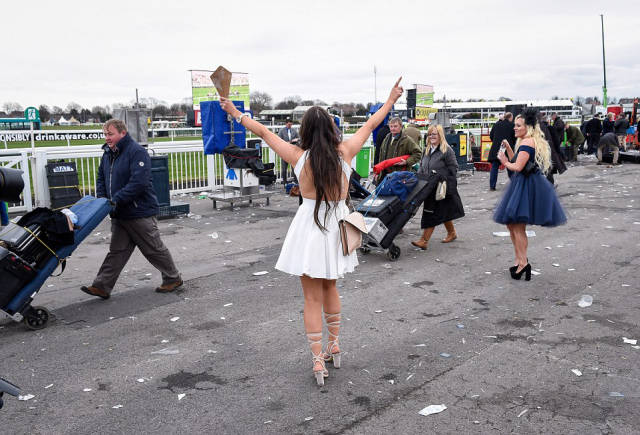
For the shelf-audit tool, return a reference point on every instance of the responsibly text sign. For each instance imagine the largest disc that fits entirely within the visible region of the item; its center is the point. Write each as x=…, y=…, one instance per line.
x=38, y=136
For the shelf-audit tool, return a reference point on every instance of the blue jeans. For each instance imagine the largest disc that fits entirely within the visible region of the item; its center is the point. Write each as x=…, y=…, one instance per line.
x=493, y=175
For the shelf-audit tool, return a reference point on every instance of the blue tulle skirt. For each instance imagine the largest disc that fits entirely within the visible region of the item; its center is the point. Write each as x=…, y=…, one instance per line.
x=530, y=200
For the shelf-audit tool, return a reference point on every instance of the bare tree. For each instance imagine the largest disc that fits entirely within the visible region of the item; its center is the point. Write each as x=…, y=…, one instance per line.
x=260, y=101
x=12, y=106
x=45, y=114
x=56, y=110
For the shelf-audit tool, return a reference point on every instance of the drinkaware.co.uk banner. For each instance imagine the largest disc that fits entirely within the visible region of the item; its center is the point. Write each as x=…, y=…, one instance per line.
x=25, y=136
x=202, y=89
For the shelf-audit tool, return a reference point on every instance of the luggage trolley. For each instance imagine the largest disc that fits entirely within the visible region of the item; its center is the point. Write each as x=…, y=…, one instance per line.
x=22, y=280
x=385, y=216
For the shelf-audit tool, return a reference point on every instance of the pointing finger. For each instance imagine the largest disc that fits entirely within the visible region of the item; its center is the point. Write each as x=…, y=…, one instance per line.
x=398, y=82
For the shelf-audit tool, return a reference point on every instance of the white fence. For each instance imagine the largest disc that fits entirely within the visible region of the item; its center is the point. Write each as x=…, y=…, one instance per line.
x=190, y=170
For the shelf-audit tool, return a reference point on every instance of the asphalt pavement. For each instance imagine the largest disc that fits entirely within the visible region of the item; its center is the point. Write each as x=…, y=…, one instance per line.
x=447, y=326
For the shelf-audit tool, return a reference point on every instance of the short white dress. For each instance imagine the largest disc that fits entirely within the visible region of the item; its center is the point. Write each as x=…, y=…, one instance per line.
x=307, y=250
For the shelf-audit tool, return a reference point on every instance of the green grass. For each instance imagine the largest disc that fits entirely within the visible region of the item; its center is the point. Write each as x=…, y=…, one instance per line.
x=72, y=127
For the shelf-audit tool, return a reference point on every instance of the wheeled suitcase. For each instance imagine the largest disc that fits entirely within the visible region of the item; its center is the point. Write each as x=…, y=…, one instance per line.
x=90, y=212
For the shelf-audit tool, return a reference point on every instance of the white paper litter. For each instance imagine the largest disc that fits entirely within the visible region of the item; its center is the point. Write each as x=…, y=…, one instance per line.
x=535, y=272
x=174, y=319
x=181, y=396
x=378, y=311
x=432, y=409
x=585, y=301
x=228, y=305
x=117, y=406
x=576, y=372
x=262, y=272
x=629, y=340
x=522, y=413
x=48, y=386
x=26, y=397
x=166, y=351
x=555, y=265
x=86, y=390
x=164, y=341
x=214, y=235
x=308, y=418
x=501, y=233
x=141, y=380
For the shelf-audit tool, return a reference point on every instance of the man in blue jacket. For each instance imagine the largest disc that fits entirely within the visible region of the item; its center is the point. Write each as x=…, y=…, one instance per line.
x=124, y=177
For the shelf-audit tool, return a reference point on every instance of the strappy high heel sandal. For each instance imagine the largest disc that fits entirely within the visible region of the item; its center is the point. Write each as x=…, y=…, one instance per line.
x=316, y=338
x=333, y=323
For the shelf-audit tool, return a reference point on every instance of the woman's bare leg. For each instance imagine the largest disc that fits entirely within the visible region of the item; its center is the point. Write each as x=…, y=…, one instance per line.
x=332, y=313
x=513, y=242
x=313, y=290
x=520, y=232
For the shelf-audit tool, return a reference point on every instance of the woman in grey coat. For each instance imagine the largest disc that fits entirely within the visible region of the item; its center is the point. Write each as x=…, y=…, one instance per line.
x=439, y=158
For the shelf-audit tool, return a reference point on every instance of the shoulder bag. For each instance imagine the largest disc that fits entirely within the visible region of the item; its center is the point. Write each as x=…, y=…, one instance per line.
x=351, y=229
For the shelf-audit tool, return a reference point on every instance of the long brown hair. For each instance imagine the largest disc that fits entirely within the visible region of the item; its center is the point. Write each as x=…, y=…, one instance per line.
x=318, y=134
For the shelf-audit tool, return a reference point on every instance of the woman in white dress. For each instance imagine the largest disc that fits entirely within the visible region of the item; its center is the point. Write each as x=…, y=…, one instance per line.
x=312, y=248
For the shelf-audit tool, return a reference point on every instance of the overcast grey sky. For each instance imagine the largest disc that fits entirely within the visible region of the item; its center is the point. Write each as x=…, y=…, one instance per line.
x=97, y=54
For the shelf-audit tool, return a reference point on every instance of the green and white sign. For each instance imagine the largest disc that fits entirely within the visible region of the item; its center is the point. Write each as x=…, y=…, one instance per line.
x=31, y=114
x=202, y=88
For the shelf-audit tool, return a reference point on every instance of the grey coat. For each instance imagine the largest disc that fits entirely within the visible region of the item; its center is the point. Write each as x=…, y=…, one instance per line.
x=284, y=136
x=446, y=167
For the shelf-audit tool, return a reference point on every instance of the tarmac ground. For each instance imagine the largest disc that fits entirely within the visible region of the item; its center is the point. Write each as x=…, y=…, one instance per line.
x=447, y=326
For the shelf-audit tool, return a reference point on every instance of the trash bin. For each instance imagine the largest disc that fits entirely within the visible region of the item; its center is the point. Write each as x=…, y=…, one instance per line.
x=63, y=184
x=363, y=161
x=160, y=178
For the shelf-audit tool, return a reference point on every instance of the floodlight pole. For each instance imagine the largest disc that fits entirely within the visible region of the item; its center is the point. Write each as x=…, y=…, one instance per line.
x=604, y=66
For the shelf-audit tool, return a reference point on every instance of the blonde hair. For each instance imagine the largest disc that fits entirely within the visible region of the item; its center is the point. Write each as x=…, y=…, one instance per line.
x=543, y=151
x=443, y=142
x=117, y=124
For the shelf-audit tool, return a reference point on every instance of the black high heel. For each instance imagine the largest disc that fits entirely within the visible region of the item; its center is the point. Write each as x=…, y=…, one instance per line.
x=513, y=269
x=527, y=273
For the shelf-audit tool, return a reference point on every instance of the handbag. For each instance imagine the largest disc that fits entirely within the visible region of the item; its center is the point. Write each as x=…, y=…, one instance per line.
x=351, y=229
x=441, y=190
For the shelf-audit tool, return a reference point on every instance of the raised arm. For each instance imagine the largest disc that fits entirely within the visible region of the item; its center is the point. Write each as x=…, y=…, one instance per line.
x=289, y=153
x=352, y=146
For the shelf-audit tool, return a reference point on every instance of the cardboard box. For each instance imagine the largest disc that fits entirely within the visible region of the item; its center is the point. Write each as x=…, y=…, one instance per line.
x=239, y=178
x=377, y=230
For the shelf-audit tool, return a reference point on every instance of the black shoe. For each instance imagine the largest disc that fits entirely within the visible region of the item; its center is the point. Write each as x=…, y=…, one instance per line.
x=168, y=288
x=492, y=189
x=95, y=291
x=526, y=270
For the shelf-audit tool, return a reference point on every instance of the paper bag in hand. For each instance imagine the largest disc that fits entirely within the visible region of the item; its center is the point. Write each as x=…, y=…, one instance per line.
x=221, y=79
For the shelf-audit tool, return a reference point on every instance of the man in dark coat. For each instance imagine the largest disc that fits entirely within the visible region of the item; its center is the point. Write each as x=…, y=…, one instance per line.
x=557, y=127
x=593, y=130
x=124, y=177
x=575, y=140
x=501, y=130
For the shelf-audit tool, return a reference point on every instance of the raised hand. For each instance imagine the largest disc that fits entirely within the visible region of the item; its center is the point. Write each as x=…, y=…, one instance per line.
x=396, y=91
x=228, y=107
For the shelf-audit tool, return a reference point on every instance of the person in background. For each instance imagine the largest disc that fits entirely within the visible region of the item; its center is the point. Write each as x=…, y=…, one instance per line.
x=608, y=124
x=593, y=130
x=501, y=130
x=439, y=157
x=381, y=135
x=396, y=144
x=287, y=134
x=557, y=126
x=621, y=126
x=575, y=140
x=4, y=214
x=557, y=163
x=609, y=141
x=529, y=198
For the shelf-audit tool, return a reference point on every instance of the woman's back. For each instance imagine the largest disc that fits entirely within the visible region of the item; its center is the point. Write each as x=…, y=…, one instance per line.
x=304, y=173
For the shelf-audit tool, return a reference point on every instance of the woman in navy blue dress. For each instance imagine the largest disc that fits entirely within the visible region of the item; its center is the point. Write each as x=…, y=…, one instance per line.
x=529, y=199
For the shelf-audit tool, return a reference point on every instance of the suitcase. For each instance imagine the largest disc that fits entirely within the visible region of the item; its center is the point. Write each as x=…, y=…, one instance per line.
x=25, y=243
x=14, y=274
x=384, y=208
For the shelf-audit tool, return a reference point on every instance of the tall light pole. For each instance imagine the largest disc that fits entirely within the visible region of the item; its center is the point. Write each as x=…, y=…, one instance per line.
x=604, y=67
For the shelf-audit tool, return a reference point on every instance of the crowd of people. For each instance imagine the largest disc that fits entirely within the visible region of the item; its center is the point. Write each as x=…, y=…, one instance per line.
x=529, y=146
